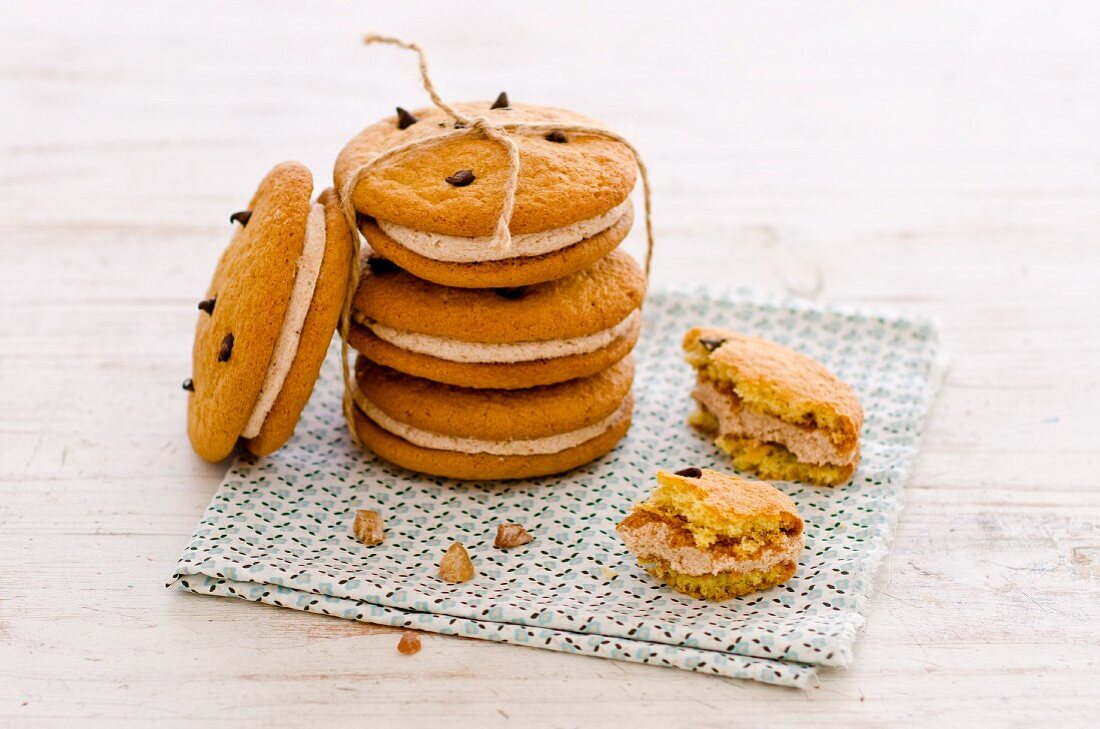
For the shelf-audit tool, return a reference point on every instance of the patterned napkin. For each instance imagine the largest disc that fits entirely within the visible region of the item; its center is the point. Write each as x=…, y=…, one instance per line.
x=279, y=529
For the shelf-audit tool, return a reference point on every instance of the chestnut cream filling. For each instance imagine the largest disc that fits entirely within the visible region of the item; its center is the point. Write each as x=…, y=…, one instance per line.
x=654, y=539
x=462, y=249
x=809, y=445
x=456, y=350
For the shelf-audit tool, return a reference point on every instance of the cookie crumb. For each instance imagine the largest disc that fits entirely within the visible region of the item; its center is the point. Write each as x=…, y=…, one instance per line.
x=609, y=574
x=511, y=535
x=409, y=643
x=368, y=527
x=456, y=566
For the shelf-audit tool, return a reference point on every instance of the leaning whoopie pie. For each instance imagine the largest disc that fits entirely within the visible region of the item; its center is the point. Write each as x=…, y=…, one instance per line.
x=432, y=209
x=477, y=434
x=499, y=338
x=268, y=317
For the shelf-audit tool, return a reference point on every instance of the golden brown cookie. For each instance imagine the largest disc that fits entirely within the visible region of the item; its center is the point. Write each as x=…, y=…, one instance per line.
x=268, y=316
x=713, y=535
x=504, y=338
x=520, y=271
x=778, y=412
x=320, y=323
x=560, y=182
x=491, y=434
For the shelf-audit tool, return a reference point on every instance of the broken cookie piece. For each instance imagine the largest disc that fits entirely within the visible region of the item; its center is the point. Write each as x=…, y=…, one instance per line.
x=715, y=536
x=780, y=414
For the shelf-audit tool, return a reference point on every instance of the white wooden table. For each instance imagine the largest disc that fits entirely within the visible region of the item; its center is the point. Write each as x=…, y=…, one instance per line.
x=940, y=158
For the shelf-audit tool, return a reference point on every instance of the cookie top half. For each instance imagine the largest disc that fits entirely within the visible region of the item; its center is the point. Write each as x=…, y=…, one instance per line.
x=494, y=415
x=565, y=177
x=707, y=496
x=781, y=380
x=593, y=300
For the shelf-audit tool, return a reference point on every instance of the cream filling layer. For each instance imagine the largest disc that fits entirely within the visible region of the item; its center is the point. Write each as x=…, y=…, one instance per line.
x=651, y=541
x=470, y=446
x=808, y=446
x=462, y=249
x=456, y=350
x=290, y=332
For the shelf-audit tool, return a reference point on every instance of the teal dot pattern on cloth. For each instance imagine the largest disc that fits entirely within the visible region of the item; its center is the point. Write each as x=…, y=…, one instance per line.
x=278, y=530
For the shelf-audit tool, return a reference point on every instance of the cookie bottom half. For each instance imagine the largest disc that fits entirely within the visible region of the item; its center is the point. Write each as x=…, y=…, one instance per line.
x=508, y=272
x=771, y=461
x=724, y=585
x=485, y=466
x=494, y=375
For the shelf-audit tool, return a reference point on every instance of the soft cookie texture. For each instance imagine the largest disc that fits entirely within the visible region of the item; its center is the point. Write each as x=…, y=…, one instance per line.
x=520, y=271
x=236, y=333
x=601, y=301
x=715, y=536
x=473, y=432
x=777, y=412
x=559, y=183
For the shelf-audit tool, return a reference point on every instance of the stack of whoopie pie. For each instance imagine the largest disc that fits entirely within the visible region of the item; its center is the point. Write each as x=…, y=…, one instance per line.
x=479, y=361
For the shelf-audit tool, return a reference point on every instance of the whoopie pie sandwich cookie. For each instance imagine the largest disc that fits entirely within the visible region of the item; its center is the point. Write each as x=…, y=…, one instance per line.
x=266, y=321
x=777, y=412
x=499, y=338
x=433, y=208
x=715, y=536
x=479, y=434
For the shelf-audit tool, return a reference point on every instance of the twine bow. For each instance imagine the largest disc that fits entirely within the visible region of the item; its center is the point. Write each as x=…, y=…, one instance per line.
x=502, y=133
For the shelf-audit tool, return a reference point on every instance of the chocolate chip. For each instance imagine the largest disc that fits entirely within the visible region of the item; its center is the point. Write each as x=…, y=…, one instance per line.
x=382, y=265
x=460, y=125
x=690, y=473
x=462, y=178
x=511, y=292
x=226, y=350
x=241, y=217
x=501, y=102
x=189, y=385
x=207, y=305
x=556, y=136
x=712, y=344
x=405, y=119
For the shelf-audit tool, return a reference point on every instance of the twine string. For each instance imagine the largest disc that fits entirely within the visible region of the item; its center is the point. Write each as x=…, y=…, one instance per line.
x=501, y=132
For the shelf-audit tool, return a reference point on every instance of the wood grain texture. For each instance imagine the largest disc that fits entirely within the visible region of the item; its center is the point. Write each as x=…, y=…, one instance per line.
x=938, y=158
